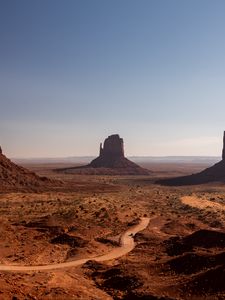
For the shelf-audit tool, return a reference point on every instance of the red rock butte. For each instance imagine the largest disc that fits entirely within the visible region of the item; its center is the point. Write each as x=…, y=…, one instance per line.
x=111, y=161
x=113, y=146
x=110, y=154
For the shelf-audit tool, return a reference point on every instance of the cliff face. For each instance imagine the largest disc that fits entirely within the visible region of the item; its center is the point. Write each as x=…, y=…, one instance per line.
x=113, y=147
x=223, y=153
x=216, y=173
x=111, y=154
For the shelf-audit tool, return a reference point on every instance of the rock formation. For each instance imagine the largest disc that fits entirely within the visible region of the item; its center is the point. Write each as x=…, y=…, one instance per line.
x=16, y=178
x=110, y=154
x=113, y=146
x=223, y=152
x=216, y=173
x=111, y=161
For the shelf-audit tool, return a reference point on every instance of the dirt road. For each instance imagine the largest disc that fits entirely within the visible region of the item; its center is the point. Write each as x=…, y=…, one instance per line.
x=126, y=245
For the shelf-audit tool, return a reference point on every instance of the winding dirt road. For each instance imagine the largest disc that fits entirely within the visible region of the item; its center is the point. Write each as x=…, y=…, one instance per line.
x=126, y=245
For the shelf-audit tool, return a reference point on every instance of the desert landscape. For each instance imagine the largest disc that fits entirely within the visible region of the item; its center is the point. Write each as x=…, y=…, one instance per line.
x=112, y=150
x=80, y=236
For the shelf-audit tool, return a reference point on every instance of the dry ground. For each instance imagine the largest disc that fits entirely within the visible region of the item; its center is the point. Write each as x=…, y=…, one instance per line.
x=178, y=256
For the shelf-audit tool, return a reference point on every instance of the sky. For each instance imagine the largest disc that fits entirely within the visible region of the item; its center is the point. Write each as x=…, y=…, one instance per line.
x=73, y=72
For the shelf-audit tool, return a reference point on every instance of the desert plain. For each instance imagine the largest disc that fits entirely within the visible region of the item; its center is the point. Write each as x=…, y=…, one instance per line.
x=179, y=255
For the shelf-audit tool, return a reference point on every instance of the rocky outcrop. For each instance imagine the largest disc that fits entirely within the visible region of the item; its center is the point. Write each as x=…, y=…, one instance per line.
x=16, y=178
x=111, y=161
x=223, y=152
x=215, y=173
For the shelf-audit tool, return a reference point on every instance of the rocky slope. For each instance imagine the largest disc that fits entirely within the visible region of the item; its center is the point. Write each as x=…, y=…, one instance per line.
x=14, y=177
x=216, y=173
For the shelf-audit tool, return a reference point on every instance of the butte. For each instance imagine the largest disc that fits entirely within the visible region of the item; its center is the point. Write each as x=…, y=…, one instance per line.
x=111, y=161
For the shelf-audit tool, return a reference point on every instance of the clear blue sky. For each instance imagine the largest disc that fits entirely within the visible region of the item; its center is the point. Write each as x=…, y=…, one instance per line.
x=72, y=72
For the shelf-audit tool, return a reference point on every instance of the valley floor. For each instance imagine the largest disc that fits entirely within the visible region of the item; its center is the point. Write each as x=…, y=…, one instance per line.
x=179, y=255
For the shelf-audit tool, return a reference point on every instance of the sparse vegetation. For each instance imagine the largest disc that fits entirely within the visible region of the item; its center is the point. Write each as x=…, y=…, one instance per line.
x=58, y=226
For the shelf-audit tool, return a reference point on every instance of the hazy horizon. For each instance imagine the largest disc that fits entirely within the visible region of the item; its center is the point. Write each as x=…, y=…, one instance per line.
x=74, y=72
x=137, y=159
